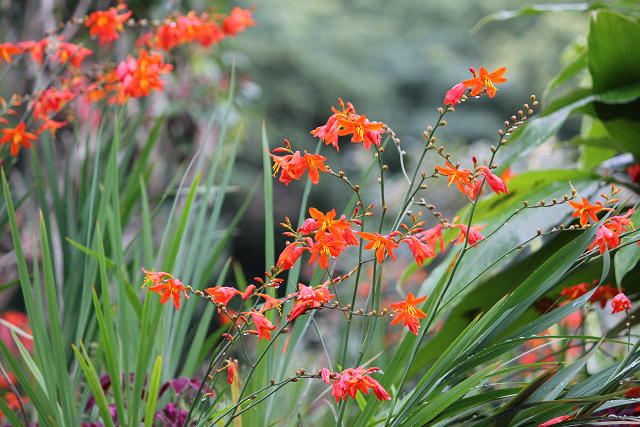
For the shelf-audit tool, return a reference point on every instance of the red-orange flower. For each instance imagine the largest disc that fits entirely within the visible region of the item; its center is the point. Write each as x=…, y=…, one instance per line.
x=363, y=131
x=262, y=324
x=294, y=166
x=461, y=176
x=380, y=243
x=237, y=21
x=454, y=94
x=72, y=53
x=495, y=182
x=325, y=248
x=486, y=79
x=351, y=380
x=107, y=24
x=409, y=314
x=52, y=101
x=507, y=175
x=420, y=250
x=604, y=293
x=474, y=234
x=431, y=237
x=270, y=302
x=309, y=298
x=155, y=277
x=555, y=420
x=222, y=294
x=35, y=49
x=584, y=210
x=170, y=288
x=327, y=222
x=9, y=49
x=575, y=291
x=605, y=238
x=634, y=172
x=290, y=255
x=18, y=137
x=139, y=77
x=20, y=321
x=12, y=401
x=620, y=303
x=329, y=132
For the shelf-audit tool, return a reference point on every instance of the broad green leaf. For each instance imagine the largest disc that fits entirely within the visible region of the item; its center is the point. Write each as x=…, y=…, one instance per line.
x=530, y=9
x=569, y=70
x=627, y=258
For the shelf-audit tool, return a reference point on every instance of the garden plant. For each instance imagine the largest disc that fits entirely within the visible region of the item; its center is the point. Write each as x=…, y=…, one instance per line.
x=521, y=308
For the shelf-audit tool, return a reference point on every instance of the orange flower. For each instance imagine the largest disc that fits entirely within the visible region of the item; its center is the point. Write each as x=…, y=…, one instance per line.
x=584, y=210
x=290, y=255
x=52, y=101
x=495, y=182
x=420, y=250
x=487, y=80
x=18, y=137
x=155, y=278
x=50, y=125
x=294, y=166
x=620, y=303
x=106, y=24
x=379, y=243
x=8, y=49
x=12, y=401
x=474, y=235
x=169, y=289
x=461, y=176
x=605, y=238
x=329, y=132
x=431, y=237
x=309, y=298
x=262, y=324
x=575, y=291
x=327, y=222
x=604, y=293
x=186, y=29
x=507, y=175
x=454, y=94
x=222, y=294
x=35, y=49
x=363, y=131
x=139, y=77
x=351, y=380
x=71, y=53
x=408, y=313
x=270, y=302
x=237, y=22
x=328, y=247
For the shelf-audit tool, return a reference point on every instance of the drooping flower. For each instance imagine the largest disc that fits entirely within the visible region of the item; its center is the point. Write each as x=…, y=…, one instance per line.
x=270, y=302
x=634, y=172
x=326, y=375
x=262, y=324
x=575, y=291
x=604, y=293
x=9, y=49
x=555, y=420
x=18, y=137
x=50, y=125
x=35, y=49
x=72, y=53
x=486, y=79
x=327, y=223
x=290, y=255
x=454, y=94
x=363, y=131
x=409, y=314
x=431, y=237
x=620, y=303
x=420, y=250
x=474, y=233
x=222, y=294
x=351, y=380
x=294, y=166
x=309, y=298
x=237, y=21
x=107, y=24
x=380, y=243
x=51, y=102
x=170, y=288
x=605, y=238
x=230, y=372
x=584, y=210
x=329, y=132
x=459, y=176
x=619, y=223
x=325, y=248
x=494, y=181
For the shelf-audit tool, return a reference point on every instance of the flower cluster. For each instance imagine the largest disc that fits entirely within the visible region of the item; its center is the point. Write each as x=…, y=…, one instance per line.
x=167, y=285
x=136, y=77
x=602, y=294
x=347, y=122
x=349, y=381
x=294, y=165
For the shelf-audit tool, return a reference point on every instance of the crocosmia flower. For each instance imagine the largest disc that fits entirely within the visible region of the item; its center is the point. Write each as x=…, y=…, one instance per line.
x=604, y=293
x=431, y=237
x=408, y=313
x=460, y=176
x=9, y=49
x=237, y=21
x=363, y=131
x=324, y=249
x=222, y=294
x=290, y=255
x=454, y=94
x=327, y=223
x=170, y=289
x=575, y=291
x=584, y=210
x=474, y=233
x=351, y=380
x=107, y=24
x=634, y=172
x=262, y=324
x=380, y=243
x=495, y=182
x=72, y=53
x=620, y=303
x=309, y=298
x=17, y=137
x=486, y=79
x=419, y=250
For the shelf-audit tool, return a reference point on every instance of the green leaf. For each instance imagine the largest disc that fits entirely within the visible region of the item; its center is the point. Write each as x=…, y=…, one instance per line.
x=152, y=395
x=110, y=264
x=614, y=53
x=569, y=70
x=528, y=10
x=627, y=258
x=94, y=383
